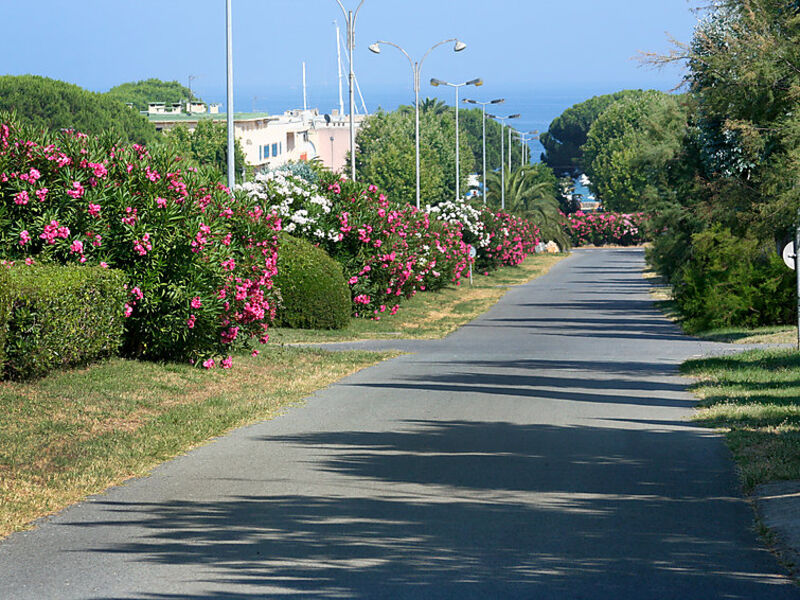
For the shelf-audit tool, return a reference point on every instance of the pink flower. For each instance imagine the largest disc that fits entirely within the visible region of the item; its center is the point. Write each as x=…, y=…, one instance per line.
x=137, y=293
x=227, y=363
x=209, y=364
x=24, y=237
x=162, y=202
x=29, y=261
x=255, y=353
x=94, y=209
x=42, y=194
x=104, y=264
x=21, y=198
x=76, y=247
x=77, y=190
x=196, y=303
x=190, y=321
x=34, y=175
x=128, y=310
x=353, y=280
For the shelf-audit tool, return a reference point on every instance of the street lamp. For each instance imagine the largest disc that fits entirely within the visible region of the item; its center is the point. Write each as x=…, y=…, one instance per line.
x=483, y=120
x=527, y=137
x=231, y=143
x=502, y=155
x=416, y=67
x=350, y=18
x=477, y=83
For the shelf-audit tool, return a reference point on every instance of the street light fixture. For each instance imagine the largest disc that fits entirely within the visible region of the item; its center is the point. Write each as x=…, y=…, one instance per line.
x=502, y=155
x=527, y=137
x=477, y=83
x=483, y=106
x=350, y=19
x=416, y=67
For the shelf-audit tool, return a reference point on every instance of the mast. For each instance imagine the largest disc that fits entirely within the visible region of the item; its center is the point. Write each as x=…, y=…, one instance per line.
x=305, y=97
x=339, y=62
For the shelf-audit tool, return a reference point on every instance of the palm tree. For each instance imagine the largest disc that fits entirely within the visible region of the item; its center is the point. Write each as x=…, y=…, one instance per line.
x=433, y=106
x=530, y=192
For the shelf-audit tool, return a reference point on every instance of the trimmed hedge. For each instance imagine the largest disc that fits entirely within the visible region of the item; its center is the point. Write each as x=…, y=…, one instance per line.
x=314, y=292
x=62, y=316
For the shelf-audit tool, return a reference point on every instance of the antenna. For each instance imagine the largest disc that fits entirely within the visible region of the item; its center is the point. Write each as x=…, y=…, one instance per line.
x=305, y=97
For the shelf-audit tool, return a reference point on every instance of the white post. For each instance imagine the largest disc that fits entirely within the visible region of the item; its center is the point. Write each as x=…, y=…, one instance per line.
x=484, y=153
x=351, y=45
x=502, y=167
x=231, y=142
x=305, y=97
x=339, y=63
x=416, y=118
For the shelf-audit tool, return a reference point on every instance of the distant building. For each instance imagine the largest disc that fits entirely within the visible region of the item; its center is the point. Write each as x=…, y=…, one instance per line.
x=270, y=141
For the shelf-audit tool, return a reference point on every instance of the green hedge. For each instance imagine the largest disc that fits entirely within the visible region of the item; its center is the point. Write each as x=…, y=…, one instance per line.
x=62, y=316
x=314, y=293
x=5, y=304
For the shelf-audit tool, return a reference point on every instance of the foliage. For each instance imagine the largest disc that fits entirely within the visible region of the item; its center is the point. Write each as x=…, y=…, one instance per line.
x=142, y=93
x=731, y=281
x=599, y=229
x=567, y=134
x=629, y=147
x=5, y=306
x=205, y=146
x=62, y=316
x=314, y=293
x=199, y=262
x=472, y=129
x=386, y=155
x=52, y=105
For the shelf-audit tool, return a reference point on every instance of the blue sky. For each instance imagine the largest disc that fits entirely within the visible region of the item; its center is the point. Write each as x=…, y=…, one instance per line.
x=555, y=45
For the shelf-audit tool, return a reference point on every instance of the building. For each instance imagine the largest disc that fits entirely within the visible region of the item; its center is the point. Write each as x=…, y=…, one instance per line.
x=270, y=141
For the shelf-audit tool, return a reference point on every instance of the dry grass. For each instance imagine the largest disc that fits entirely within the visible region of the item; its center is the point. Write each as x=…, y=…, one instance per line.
x=78, y=432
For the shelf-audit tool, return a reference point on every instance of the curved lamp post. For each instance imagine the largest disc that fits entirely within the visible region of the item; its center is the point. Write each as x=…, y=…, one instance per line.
x=416, y=67
x=483, y=106
x=350, y=19
x=502, y=155
x=477, y=83
x=231, y=142
x=526, y=137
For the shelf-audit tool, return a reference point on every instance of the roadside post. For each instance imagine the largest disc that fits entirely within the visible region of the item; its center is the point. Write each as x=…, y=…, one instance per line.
x=792, y=259
x=472, y=254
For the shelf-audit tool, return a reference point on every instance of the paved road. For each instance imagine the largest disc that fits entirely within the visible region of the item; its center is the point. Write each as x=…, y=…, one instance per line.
x=540, y=452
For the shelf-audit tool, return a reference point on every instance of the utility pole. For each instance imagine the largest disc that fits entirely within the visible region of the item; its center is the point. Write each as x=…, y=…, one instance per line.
x=231, y=141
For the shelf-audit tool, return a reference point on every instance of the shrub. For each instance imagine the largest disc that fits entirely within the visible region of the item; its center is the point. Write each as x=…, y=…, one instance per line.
x=731, y=281
x=599, y=229
x=5, y=306
x=62, y=316
x=314, y=293
x=198, y=261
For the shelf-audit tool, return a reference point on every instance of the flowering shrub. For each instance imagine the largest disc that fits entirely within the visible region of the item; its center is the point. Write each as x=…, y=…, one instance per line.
x=199, y=262
x=606, y=228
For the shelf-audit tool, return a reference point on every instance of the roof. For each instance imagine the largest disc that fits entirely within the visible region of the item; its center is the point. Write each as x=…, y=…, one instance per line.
x=169, y=118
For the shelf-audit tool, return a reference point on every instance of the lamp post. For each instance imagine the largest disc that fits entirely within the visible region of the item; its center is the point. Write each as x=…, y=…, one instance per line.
x=350, y=19
x=526, y=137
x=416, y=67
x=483, y=106
x=231, y=143
x=502, y=156
x=477, y=83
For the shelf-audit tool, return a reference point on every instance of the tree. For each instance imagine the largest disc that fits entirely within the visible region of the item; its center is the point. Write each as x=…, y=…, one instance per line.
x=630, y=145
x=567, y=134
x=472, y=128
x=205, y=146
x=51, y=105
x=386, y=155
x=141, y=93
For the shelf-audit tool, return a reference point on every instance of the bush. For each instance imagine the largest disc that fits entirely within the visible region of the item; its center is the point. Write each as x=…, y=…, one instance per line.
x=5, y=305
x=314, y=292
x=198, y=261
x=62, y=316
x=599, y=229
x=731, y=281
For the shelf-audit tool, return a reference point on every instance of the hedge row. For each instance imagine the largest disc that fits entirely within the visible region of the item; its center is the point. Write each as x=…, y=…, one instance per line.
x=53, y=317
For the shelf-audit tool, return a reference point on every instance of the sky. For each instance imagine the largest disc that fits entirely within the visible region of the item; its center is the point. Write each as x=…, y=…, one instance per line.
x=566, y=48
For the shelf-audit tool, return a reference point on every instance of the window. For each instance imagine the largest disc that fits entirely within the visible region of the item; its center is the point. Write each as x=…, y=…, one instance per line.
x=266, y=151
x=274, y=149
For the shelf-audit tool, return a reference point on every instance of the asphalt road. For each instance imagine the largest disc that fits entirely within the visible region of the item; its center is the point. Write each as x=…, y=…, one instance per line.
x=540, y=452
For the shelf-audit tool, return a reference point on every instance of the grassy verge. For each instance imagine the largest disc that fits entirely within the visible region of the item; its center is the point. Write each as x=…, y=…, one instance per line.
x=431, y=315
x=754, y=397
x=78, y=432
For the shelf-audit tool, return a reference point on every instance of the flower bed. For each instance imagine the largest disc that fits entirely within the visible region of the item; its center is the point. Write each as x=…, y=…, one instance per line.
x=600, y=229
x=199, y=262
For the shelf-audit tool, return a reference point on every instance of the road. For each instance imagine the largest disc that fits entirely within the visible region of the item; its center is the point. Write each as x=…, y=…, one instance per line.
x=542, y=451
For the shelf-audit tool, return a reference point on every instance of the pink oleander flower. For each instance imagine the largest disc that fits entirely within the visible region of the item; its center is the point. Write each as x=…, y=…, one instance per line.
x=21, y=198
x=191, y=321
x=77, y=190
x=353, y=280
x=24, y=237
x=128, y=310
x=161, y=202
x=255, y=353
x=209, y=364
x=29, y=261
x=94, y=210
x=227, y=363
x=196, y=302
x=76, y=247
x=137, y=293
x=42, y=194
x=104, y=264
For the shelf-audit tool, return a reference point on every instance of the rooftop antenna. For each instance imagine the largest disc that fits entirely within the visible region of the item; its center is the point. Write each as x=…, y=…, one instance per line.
x=305, y=97
x=339, y=63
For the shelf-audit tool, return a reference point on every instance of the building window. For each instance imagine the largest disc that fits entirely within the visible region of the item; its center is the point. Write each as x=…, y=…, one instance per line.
x=274, y=149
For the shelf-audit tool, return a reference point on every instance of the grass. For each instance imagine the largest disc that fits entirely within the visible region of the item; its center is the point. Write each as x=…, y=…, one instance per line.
x=754, y=397
x=431, y=315
x=78, y=432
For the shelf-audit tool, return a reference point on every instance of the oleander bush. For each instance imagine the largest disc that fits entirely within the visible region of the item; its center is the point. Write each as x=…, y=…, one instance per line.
x=312, y=287
x=198, y=261
x=5, y=305
x=733, y=281
x=61, y=316
x=600, y=229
